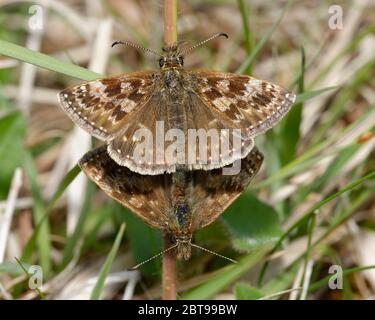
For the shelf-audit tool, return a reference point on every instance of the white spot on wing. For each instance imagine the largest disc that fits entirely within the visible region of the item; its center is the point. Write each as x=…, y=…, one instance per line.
x=127, y=105
x=223, y=85
x=135, y=202
x=126, y=86
x=251, y=86
x=222, y=103
x=97, y=88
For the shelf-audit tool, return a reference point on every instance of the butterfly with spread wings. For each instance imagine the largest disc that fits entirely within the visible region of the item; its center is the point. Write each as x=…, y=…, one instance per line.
x=178, y=203
x=115, y=109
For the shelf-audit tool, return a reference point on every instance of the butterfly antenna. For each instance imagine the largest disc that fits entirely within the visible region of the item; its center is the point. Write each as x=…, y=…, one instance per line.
x=155, y=256
x=212, y=252
x=131, y=44
x=216, y=35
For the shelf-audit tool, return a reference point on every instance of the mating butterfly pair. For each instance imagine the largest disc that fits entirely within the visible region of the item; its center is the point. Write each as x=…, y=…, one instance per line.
x=165, y=194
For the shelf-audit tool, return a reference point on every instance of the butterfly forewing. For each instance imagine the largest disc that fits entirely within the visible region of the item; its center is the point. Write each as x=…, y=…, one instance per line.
x=242, y=101
x=193, y=119
x=103, y=107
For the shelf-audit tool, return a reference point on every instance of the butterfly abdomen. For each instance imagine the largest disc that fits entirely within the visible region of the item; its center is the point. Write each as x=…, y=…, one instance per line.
x=182, y=212
x=181, y=181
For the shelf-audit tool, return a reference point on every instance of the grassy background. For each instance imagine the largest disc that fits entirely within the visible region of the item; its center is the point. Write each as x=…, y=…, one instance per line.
x=312, y=205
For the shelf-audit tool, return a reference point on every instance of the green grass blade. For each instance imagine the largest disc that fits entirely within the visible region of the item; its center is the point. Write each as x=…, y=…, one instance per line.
x=349, y=49
x=68, y=179
x=332, y=170
x=363, y=196
x=11, y=268
x=273, y=165
x=322, y=282
x=307, y=215
x=311, y=94
x=307, y=255
x=45, y=61
x=225, y=276
x=290, y=126
x=281, y=281
x=96, y=292
x=73, y=239
x=31, y=243
x=12, y=134
x=244, y=291
x=144, y=240
x=39, y=211
x=311, y=155
x=249, y=41
x=28, y=275
x=339, y=106
x=250, y=59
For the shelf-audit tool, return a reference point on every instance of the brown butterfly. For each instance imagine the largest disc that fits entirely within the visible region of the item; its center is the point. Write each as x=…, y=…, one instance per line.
x=115, y=109
x=178, y=203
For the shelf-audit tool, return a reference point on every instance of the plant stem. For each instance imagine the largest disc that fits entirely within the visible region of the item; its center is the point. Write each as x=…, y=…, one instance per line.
x=170, y=22
x=169, y=272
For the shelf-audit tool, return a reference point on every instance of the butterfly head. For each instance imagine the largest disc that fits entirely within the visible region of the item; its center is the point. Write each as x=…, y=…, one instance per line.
x=171, y=58
x=183, y=247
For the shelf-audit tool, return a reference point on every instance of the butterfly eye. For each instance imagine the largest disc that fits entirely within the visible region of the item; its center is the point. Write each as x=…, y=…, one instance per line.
x=181, y=60
x=161, y=62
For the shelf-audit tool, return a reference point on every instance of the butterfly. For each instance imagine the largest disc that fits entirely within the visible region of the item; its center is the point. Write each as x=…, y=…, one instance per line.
x=171, y=103
x=179, y=203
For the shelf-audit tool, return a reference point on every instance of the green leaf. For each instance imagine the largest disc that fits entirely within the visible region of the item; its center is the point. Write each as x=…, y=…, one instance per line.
x=214, y=232
x=251, y=223
x=44, y=61
x=243, y=291
x=96, y=292
x=12, y=131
